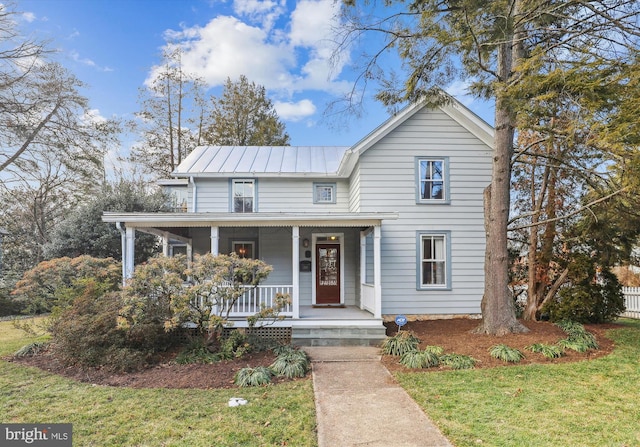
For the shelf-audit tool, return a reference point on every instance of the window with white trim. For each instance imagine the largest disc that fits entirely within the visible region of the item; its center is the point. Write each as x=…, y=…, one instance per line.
x=324, y=193
x=243, y=195
x=432, y=180
x=244, y=249
x=434, y=260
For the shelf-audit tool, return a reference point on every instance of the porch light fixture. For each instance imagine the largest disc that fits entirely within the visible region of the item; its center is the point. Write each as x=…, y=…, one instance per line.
x=333, y=238
x=305, y=243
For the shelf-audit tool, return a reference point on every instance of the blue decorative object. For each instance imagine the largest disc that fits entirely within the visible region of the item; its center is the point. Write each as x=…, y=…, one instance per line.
x=401, y=320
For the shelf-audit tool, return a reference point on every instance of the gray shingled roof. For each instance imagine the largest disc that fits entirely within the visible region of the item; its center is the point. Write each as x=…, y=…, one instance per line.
x=256, y=160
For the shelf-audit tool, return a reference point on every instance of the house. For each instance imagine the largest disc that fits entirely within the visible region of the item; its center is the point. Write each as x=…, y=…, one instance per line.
x=391, y=225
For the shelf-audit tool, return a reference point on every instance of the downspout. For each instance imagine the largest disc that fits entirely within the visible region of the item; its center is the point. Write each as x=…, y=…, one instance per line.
x=123, y=238
x=194, y=199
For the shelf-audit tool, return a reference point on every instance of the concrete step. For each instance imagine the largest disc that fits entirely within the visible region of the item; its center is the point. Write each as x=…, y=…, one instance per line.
x=338, y=335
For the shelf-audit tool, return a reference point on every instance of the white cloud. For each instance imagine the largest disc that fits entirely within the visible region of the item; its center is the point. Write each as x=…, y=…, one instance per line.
x=29, y=16
x=227, y=47
x=294, y=111
x=86, y=61
x=287, y=54
x=265, y=12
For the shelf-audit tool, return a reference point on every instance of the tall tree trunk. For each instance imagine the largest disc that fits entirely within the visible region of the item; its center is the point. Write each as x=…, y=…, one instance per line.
x=498, y=308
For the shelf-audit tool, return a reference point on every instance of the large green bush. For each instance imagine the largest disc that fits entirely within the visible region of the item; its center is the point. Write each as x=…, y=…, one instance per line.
x=201, y=294
x=56, y=283
x=87, y=333
x=593, y=295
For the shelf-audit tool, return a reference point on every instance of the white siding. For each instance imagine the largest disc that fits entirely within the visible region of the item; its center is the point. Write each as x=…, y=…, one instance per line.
x=387, y=182
x=273, y=195
x=296, y=195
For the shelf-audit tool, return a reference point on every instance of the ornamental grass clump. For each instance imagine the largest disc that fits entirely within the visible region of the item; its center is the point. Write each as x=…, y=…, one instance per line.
x=419, y=359
x=548, y=351
x=258, y=376
x=506, y=353
x=291, y=363
x=32, y=349
x=579, y=339
x=458, y=361
x=402, y=342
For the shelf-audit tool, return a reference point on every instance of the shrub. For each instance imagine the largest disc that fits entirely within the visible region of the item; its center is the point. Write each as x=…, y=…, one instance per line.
x=458, y=361
x=196, y=351
x=235, y=345
x=202, y=294
x=592, y=297
x=87, y=334
x=506, y=353
x=403, y=341
x=260, y=375
x=54, y=284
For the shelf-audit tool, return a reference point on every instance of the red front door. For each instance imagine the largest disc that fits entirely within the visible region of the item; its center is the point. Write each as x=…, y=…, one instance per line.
x=327, y=274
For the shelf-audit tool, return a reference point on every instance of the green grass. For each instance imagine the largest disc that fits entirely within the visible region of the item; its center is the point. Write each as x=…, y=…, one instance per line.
x=276, y=415
x=589, y=403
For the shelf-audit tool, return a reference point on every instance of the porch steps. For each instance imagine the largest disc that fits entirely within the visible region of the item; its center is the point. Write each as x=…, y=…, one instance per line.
x=338, y=335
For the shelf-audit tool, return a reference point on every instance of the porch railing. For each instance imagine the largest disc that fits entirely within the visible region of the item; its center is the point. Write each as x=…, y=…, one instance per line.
x=368, y=297
x=631, y=302
x=254, y=299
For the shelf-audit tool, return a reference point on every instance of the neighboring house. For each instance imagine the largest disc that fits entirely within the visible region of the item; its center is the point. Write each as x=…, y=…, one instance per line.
x=392, y=225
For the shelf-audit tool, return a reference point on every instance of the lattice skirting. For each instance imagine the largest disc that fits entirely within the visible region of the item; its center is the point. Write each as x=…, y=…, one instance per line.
x=279, y=334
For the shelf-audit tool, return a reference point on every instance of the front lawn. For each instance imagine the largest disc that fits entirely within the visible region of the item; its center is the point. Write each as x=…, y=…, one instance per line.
x=587, y=403
x=276, y=415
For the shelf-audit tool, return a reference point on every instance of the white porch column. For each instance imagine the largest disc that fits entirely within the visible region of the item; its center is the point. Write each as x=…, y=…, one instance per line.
x=363, y=264
x=129, y=252
x=165, y=243
x=215, y=241
x=189, y=254
x=377, y=271
x=295, y=268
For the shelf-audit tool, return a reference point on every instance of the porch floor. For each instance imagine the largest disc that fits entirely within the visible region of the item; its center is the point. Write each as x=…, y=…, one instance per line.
x=334, y=313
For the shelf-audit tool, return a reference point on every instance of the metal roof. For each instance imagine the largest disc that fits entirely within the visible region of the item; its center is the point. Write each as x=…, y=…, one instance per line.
x=267, y=160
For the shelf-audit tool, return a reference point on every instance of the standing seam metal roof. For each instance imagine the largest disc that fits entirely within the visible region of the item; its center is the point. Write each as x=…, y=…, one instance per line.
x=212, y=160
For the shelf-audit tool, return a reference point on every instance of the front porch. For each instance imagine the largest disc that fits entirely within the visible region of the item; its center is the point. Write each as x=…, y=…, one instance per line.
x=318, y=260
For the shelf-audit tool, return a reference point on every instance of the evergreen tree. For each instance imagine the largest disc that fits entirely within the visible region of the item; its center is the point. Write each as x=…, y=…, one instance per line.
x=244, y=116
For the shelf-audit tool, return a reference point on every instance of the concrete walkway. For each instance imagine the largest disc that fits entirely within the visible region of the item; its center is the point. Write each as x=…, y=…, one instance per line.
x=358, y=403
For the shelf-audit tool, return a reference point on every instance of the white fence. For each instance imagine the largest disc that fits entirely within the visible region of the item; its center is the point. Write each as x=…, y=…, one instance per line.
x=631, y=302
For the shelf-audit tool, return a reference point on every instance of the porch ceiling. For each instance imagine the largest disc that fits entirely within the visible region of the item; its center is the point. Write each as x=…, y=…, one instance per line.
x=160, y=220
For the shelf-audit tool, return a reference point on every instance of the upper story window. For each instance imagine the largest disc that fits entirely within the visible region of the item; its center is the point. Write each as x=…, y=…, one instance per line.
x=243, y=196
x=324, y=193
x=433, y=180
x=177, y=191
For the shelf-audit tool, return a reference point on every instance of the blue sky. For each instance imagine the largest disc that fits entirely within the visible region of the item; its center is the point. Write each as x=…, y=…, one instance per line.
x=113, y=45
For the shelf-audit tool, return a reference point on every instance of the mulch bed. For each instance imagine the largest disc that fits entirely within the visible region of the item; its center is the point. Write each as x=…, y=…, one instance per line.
x=453, y=335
